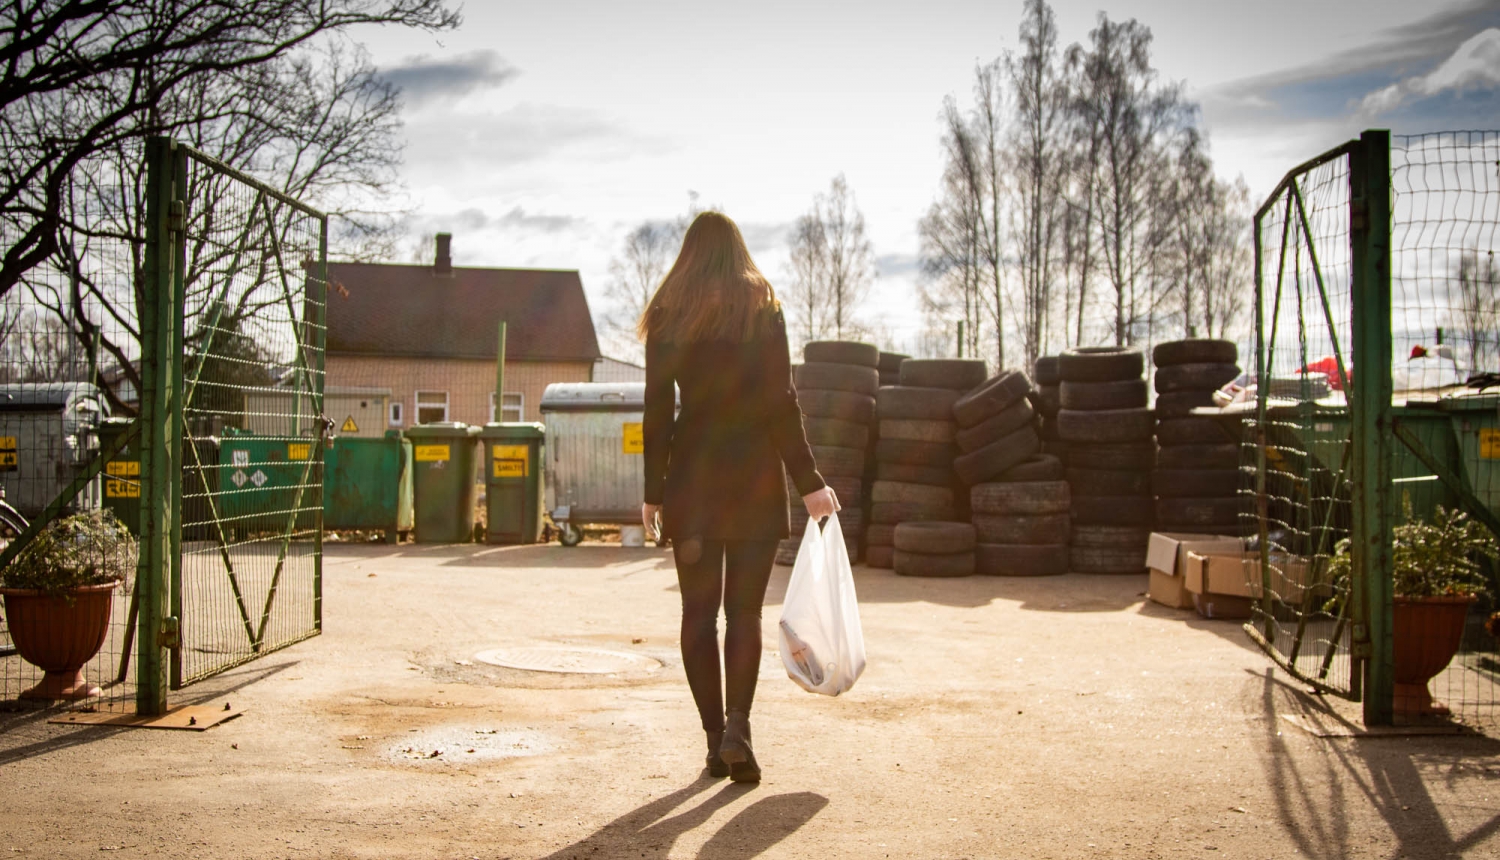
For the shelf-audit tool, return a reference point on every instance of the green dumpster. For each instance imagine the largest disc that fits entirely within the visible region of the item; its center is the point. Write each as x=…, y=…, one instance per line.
x=122, y=475
x=368, y=484
x=259, y=478
x=513, y=481
x=443, y=481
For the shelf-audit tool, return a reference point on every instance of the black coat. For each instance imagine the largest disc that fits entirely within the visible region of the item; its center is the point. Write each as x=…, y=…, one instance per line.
x=716, y=469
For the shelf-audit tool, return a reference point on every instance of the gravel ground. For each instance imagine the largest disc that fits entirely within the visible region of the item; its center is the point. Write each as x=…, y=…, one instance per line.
x=1059, y=717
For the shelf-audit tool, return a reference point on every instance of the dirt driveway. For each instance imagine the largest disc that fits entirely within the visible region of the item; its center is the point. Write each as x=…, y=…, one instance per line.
x=1002, y=718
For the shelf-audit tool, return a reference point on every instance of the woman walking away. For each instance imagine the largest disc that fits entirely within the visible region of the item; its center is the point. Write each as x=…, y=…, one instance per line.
x=714, y=474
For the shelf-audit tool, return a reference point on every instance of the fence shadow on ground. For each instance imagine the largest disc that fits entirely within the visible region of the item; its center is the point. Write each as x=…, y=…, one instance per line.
x=1393, y=774
x=648, y=832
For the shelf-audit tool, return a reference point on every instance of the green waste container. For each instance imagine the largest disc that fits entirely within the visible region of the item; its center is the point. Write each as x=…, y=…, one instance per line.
x=258, y=481
x=443, y=481
x=122, y=474
x=368, y=484
x=513, y=481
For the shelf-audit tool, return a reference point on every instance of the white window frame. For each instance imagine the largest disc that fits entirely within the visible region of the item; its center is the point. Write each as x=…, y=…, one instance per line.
x=396, y=415
x=420, y=406
x=520, y=405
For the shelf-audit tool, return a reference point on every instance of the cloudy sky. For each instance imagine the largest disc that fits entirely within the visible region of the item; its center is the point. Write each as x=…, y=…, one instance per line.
x=540, y=133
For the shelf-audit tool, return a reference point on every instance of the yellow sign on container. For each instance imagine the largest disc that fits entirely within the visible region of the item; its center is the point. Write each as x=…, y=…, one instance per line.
x=115, y=488
x=298, y=450
x=633, y=439
x=123, y=468
x=431, y=453
x=1489, y=443
x=511, y=460
x=8, y=457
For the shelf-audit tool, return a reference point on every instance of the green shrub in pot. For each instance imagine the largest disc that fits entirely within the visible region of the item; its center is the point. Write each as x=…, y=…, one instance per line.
x=91, y=548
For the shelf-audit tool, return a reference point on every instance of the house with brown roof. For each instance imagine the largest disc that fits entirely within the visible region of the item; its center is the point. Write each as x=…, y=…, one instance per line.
x=429, y=335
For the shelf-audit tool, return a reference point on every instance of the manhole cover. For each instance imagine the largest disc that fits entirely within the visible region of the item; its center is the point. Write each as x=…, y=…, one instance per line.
x=573, y=661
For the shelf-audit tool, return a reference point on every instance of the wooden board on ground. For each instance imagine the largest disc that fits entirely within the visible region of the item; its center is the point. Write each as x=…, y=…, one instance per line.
x=192, y=718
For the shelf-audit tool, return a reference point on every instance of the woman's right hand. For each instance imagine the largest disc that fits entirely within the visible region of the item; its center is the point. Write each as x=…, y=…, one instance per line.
x=821, y=503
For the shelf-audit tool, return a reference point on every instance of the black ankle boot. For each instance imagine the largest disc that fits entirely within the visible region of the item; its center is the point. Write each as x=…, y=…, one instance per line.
x=735, y=748
x=717, y=767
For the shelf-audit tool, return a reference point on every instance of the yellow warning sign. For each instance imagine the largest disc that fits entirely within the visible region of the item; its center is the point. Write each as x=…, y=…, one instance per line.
x=8, y=457
x=123, y=468
x=298, y=450
x=349, y=426
x=1489, y=443
x=633, y=439
x=7, y=443
x=511, y=460
x=116, y=488
x=431, y=453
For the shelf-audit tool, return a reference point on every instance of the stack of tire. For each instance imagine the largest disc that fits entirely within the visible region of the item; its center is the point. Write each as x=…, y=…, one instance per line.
x=914, y=477
x=1108, y=429
x=1021, y=520
x=836, y=386
x=890, y=367
x=1047, y=400
x=934, y=549
x=1197, y=477
x=890, y=374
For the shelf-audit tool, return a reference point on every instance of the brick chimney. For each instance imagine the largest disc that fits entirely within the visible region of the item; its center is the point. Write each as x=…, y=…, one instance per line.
x=443, y=264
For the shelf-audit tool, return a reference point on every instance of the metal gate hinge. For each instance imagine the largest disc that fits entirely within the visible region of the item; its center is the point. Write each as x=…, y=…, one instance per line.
x=171, y=633
x=177, y=216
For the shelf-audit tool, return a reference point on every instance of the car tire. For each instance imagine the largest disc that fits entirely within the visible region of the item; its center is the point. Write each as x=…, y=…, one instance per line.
x=843, y=405
x=991, y=397
x=1192, y=430
x=1194, y=377
x=1104, y=559
x=1105, y=425
x=1004, y=422
x=1100, y=364
x=905, y=401
x=1224, y=456
x=1225, y=511
x=907, y=473
x=890, y=362
x=1041, y=529
x=891, y=513
x=1037, y=467
x=1028, y=498
x=1195, y=351
x=959, y=374
x=880, y=556
x=838, y=434
x=1130, y=537
x=842, y=352
x=915, y=453
x=837, y=377
x=1047, y=399
x=1196, y=483
x=1004, y=453
x=1109, y=482
x=1121, y=394
x=1108, y=511
x=1044, y=370
x=1124, y=456
x=880, y=534
x=833, y=461
x=934, y=538
x=921, y=494
x=1178, y=403
x=917, y=430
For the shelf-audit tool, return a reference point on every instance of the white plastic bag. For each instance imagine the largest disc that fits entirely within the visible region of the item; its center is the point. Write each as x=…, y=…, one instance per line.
x=822, y=642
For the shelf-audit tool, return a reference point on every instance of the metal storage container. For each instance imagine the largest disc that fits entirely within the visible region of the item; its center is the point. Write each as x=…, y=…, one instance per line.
x=513, y=481
x=48, y=434
x=368, y=484
x=443, y=484
x=594, y=445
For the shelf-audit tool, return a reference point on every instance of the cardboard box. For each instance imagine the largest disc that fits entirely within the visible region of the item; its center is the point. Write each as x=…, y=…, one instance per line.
x=1166, y=556
x=1238, y=574
x=1219, y=585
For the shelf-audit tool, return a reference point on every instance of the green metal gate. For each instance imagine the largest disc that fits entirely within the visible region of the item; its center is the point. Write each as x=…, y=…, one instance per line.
x=246, y=548
x=1370, y=259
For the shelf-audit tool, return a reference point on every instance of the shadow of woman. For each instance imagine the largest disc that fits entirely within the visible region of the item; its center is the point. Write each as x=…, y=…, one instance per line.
x=646, y=832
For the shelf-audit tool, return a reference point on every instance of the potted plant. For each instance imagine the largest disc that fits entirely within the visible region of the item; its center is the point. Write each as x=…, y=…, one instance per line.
x=58, y=596
x=1437, y=576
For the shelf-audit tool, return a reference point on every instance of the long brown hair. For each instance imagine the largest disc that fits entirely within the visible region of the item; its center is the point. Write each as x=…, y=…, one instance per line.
x=713, y=292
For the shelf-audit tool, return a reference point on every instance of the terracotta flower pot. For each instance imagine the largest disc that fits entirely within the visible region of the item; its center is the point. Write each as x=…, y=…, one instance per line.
x=59, y=635
x=1427, y=634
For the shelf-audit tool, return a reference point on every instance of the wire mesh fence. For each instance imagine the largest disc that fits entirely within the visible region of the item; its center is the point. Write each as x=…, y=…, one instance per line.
x=1298, y=445
x=1445, y=312
x=253, y=416
x=69, y=370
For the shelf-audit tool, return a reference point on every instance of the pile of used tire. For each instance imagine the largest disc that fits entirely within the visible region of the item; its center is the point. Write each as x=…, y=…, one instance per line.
x=1047, y=400
x=836, y=386
x=934, y=549
x=890, y=374
x=914, y=478
x=1197, y=479
x=1108, y=428
x=1021, y=520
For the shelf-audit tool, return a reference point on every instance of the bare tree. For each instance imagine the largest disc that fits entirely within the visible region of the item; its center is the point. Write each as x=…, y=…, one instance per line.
x=949, y=250
x=1129, y=121
x=1479, y=307
x=634, y=276
x=318, y=126
x=83, y=77
x=807, y=291
x=1037, y=158
x=848, y=258
x=1211, y=248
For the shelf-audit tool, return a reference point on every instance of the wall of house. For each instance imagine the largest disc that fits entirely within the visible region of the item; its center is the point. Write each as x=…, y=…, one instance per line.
x=469, y=382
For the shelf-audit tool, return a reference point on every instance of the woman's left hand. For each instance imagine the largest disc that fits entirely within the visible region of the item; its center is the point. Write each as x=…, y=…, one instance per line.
x=821, y=503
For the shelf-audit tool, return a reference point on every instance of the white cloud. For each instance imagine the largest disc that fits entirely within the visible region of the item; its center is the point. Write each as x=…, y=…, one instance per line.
x=1474, y=65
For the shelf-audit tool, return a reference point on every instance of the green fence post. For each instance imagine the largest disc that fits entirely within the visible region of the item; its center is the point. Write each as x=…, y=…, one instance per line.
x=158, y=443
x=177, y=436
x=1370, y=410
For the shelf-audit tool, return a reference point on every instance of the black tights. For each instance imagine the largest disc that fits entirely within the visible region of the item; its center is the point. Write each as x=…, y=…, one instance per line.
x=737, y=571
